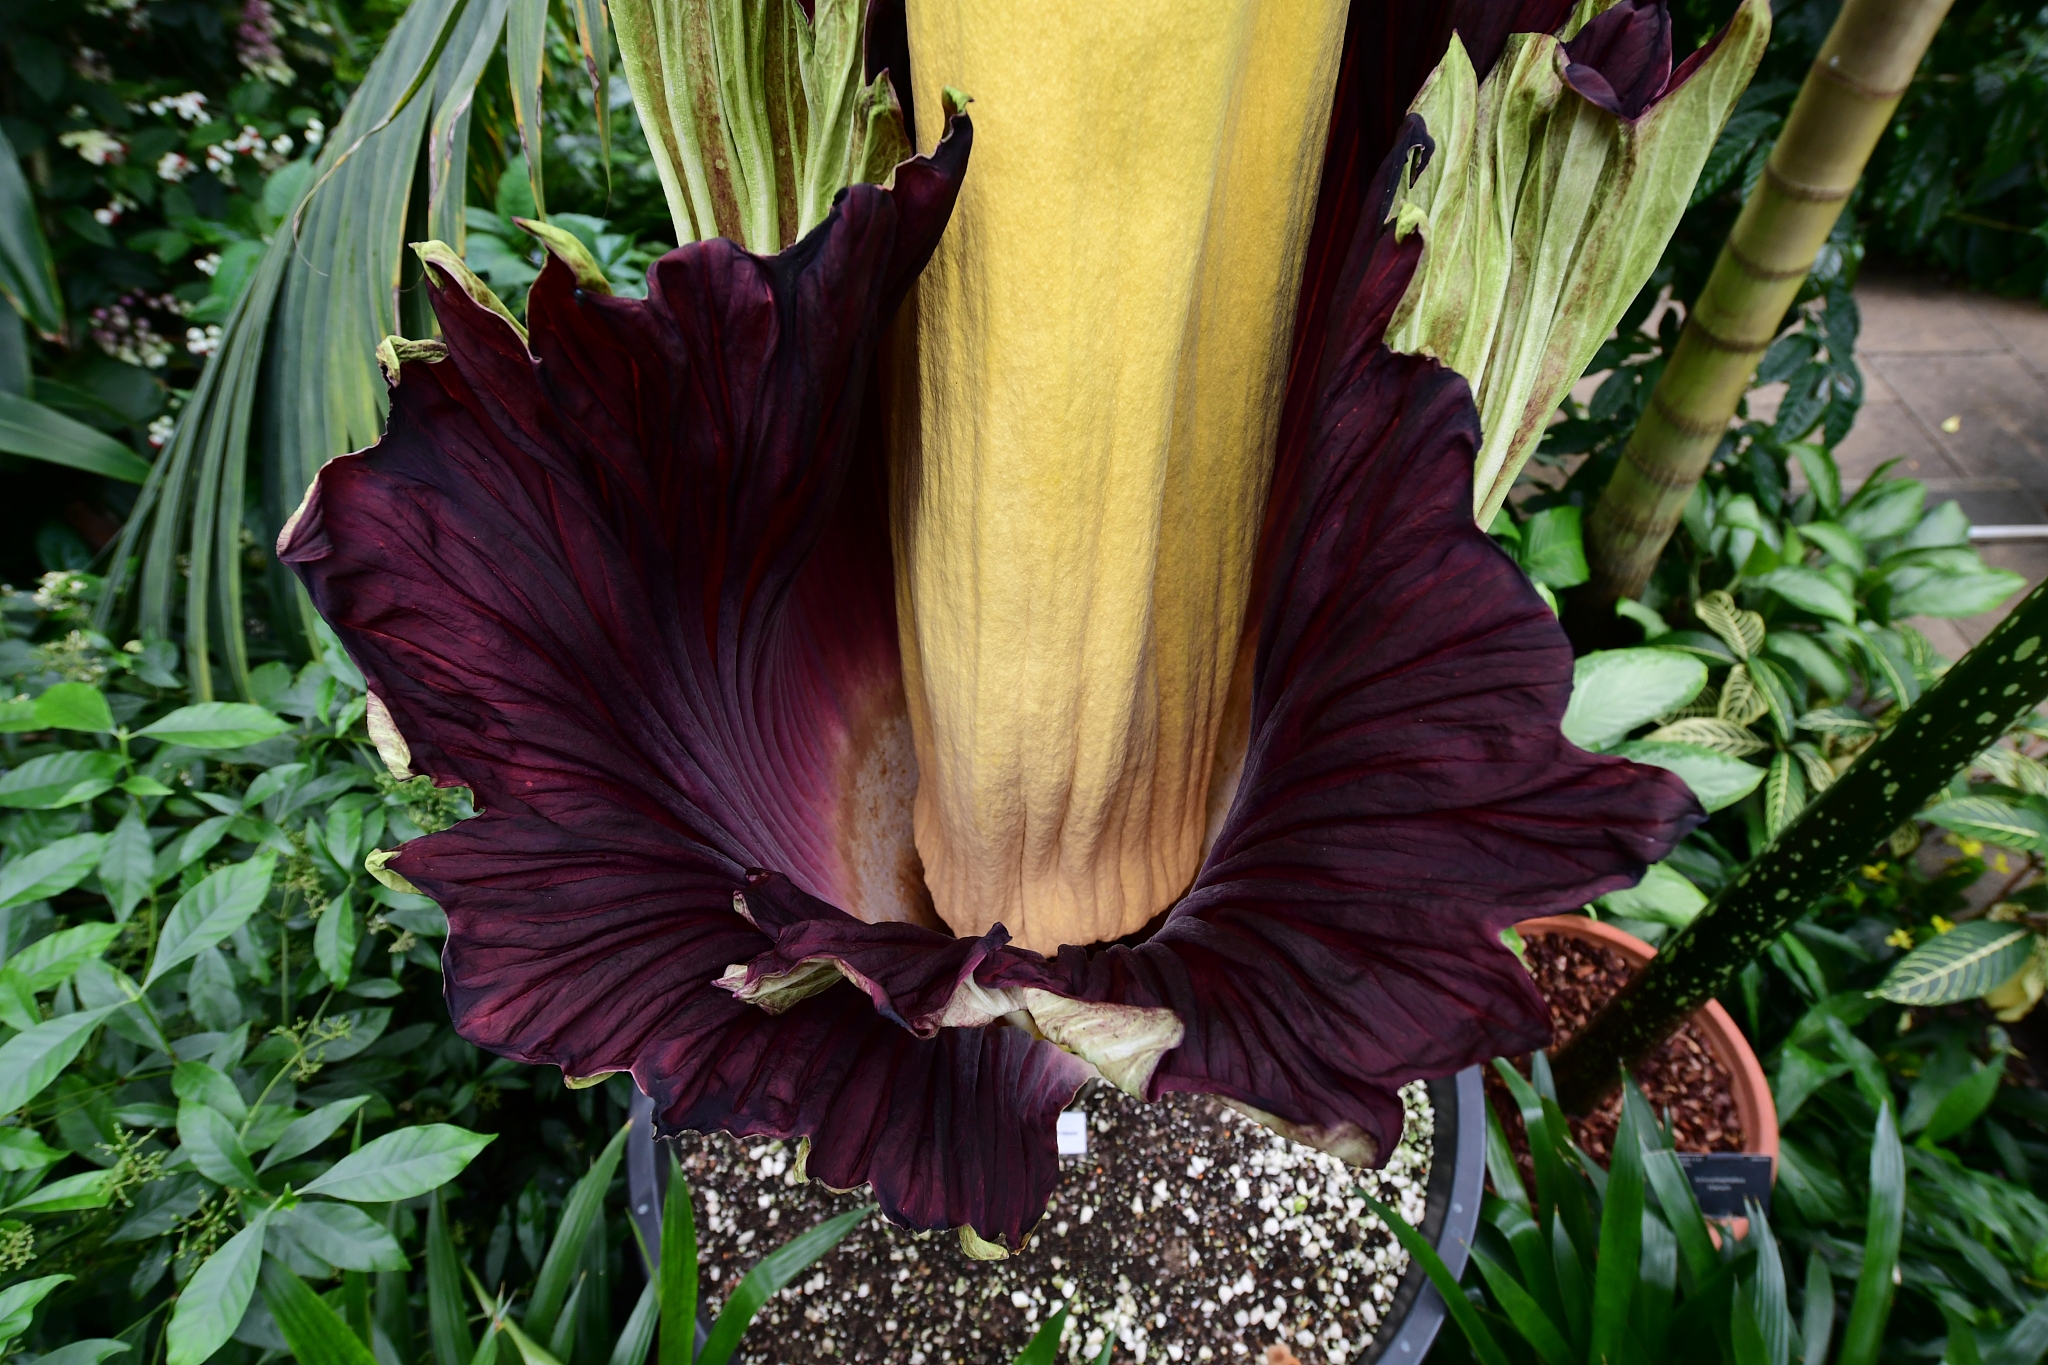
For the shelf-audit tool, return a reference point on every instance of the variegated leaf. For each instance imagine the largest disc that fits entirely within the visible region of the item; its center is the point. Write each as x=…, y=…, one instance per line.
x=1742, y=701
x=1742, y=631
x=1961, y=964
x=1784, y=793
x=2014, y=769
x=2000, y=820
x=1820, y=774
x=1711, y=732
x=1838, y=720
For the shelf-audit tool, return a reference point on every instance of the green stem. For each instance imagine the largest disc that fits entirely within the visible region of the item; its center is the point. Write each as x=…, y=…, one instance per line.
x=1994, y=685
x=1842, y=109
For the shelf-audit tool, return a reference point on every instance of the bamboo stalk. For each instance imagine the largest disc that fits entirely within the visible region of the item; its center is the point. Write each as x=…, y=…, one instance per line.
x=1994, y=685
x=1848, y=98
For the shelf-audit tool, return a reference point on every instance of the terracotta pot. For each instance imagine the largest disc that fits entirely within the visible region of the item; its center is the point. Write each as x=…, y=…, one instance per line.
x=1753, y=1103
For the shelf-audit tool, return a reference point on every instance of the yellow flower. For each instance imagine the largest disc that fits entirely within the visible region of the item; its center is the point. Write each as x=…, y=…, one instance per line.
x=1900, y=938
x=1942, y=926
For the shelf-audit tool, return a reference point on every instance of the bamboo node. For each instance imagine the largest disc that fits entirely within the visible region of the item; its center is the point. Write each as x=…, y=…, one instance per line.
x=1793, y=189
x=1714, y=341
x=1690, y=426
x=1849, y=82
x=1668, y=477
x=1763, y=272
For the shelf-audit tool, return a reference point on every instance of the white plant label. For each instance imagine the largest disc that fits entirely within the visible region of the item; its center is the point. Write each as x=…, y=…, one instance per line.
x=1073, y=1133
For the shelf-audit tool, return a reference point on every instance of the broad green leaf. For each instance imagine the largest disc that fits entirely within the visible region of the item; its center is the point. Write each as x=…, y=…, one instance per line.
x=60, y=779
x=1717, y=779
x=30, y=1061
x=215, y=725
x=339, y=1234
x=1553, y=549
x=50, y=870
x=1826, y=481
x=18, y=1304
x=2006, y=821
x=401, y=1165
x=582, y=1212
x=1615, y=690
x=1959, y=965
x=315, y=1332
x=211, y=1142
x=90, y=1351
x=23, y=1149
x=1927, y=591
x=17, y=713
x=28, y=273
x=1883, y=508
x=74, y=706
x=1741, y=630
x=310, y=1130
x=1663, y=896
x=210, y=911
x=767, y=1278
x=89, y=1191
x=1965, y=1102
x=1810, y=590
x=28, y=428
x=128, y=866
x=215, y=1298
x=334, y=940
x=199, y=1083
x=1709, y=732
x=55, y=958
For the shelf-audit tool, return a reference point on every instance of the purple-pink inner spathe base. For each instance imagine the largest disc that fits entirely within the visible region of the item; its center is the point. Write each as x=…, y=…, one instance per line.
x=627, y=582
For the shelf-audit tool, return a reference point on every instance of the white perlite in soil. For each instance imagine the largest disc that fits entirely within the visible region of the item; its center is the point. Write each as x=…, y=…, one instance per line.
x=1187, y=1233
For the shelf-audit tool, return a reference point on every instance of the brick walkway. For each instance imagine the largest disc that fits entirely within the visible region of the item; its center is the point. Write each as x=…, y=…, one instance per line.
x=1956, y=388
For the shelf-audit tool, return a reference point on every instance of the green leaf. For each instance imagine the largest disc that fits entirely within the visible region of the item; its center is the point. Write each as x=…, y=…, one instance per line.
x=89, y=1191
x=638, y=1336
x=55, y=958
x=128, y=866
x=1921, y=590
x=1717, y=779
x=1553, y=550
x=215, y=725
x=526, y=24
x=206, y=1136
x=90, y=1351
x=582, y=1212
x=767, y=1278
x=30, y=1061
x=74, y=706
x=1810, y=590
x=2006, y=821
x=315, y=1332
x=1826, y=481
x=61, y=779
x=310, y=1130
x=1462, y=1311
x=23, y=1149
x=28, y=428
x=18, y=1304
x=1621, y=1240
x=447, y=1322
x=339, y=1234
x=1615, y=690
x=1817, y=1320
x=678, y=1270
x=334, y=940
x=1964, y=1102
x=210, y=911
x=215, y=1298
x=28, y=273
x=1044, y=1346
x=1872, y=1306
x=401, y=1165
x=1663, y=896
x=198, y=1083
x=1524, y=1312
x=50, y=870
x=1961, y=964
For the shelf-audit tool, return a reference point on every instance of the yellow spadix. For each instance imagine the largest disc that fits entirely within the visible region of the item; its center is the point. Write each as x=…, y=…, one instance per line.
x=1101, y=344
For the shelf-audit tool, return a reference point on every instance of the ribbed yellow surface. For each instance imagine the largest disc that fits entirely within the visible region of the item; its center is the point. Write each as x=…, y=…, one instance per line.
x=1101, y=344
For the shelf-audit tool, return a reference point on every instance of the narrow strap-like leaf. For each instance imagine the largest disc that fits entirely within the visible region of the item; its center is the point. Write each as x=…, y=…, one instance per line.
x=582, y=1212
x=1044, y=1346
x=678, y=1269
x=1462, y=1312
x=768, y=1276
x=1872, y=1306
x=447, y=1321
x=315, y=1332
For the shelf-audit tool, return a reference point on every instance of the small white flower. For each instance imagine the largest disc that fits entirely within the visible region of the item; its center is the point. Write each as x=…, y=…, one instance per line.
x=203, y=341
x=209, y=264
x=174, y=166
x=95, y=146
x=190, y=106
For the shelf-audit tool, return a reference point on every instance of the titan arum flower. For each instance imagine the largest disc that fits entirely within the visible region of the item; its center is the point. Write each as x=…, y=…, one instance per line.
x=878, y=733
